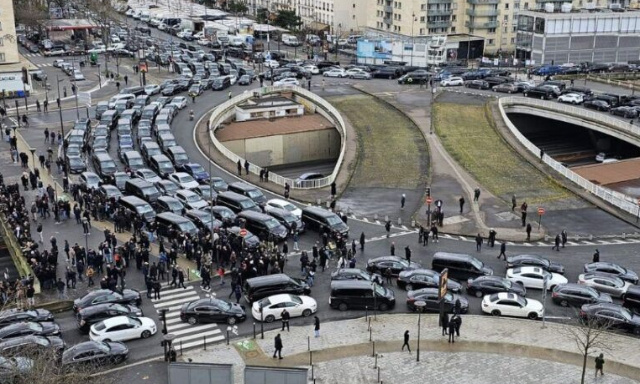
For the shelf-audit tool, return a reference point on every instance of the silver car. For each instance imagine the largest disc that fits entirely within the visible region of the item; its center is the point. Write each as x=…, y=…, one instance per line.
x=605, y=282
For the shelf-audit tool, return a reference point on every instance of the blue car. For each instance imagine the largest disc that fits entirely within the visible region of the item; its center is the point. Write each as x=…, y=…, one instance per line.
x=197, y=172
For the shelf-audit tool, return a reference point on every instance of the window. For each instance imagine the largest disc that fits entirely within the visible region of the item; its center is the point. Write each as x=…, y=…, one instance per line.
x=453, y=18
x=513, y=40
x=506, y=17
x=453, y=29
x=422, y=19
x=492, y=30
x=423, y=7
x=1, y=41
x=506, y=6
x=504, y=30
x=526, y=5
x=490, y=42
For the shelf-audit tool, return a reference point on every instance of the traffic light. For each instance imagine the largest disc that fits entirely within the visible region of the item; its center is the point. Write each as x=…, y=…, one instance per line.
x=428, y=191
x=25, y=75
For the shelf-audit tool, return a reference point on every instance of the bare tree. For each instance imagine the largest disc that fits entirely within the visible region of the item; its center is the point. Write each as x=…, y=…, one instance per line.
x=589, y=335
x=30, y=13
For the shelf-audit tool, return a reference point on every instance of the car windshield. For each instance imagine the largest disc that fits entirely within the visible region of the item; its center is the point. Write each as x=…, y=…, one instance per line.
x=187, y=226
x=477, y=264
x=334, y=220
x=197, y=168
x=150, y=190
x=181, y=156
x=521, y=300
x=380, y=290
x=223, y=305
x=136, y=161
x=186, y=179
x=289, y=207
x=174, y=204
x=165, y=165
x=92, y=179
x=109, y=166
x=271, y=223
x=193, y=198
x=246, y=204
x=75, y=161
x=146, y=208
x=104, y=347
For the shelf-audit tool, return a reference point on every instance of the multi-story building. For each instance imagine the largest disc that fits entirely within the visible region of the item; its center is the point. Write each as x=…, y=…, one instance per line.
x=576, y=37
x=8, y=39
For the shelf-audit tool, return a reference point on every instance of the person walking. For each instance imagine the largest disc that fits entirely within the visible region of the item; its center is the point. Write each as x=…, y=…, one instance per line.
x=403, y=199
x=406, y=341
x=278, y=347
x=444, y=323
x=387, y=227
x=596, y=256
x=238, y=293
x=557, y=243
x=239, y=165
x=564, y=236
x=491, y=241
x=503, y=248
x=457, y=321
x=600, y=364
x=476, y=195
x=461, y=201
x=39, y=230
x=61, y=286
x=156, y=289
x=407, y=254
x=479, y=243
x=285, y=319
x=393, y=248
x=513, y=203
x=523, y=213
x=528, y=231
x=452, y=331
x=316, y=326
x=181, y=279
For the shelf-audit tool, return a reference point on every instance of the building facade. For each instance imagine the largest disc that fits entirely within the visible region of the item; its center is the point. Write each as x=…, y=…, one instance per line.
x=576, y=37
x=8, y=39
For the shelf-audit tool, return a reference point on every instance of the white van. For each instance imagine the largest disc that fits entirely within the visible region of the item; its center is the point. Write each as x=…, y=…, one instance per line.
x=118, y=97
x=290, y=40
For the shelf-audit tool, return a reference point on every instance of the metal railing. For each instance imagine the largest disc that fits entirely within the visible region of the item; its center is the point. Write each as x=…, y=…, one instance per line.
x=617, y=199
x=227, y=109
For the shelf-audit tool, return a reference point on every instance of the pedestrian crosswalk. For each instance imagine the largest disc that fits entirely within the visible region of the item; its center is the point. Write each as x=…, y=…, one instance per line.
x=551, y=242
x=32, y=55
x=187, y=335
x=43, y=65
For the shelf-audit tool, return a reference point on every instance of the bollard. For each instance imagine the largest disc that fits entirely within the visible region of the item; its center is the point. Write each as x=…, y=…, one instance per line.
x=375, y=365
x=373, y=349
x=624, y=235
x=310, y=357
x=180, y=347
x=313, y=376
x=366, y=314
x=205, y=342
x=227, y=336
x=308, y=343
x=386, y=218
x=254, y=329
x=188, y=275
x=378, y=374
x=370, y=337
x=399, y=221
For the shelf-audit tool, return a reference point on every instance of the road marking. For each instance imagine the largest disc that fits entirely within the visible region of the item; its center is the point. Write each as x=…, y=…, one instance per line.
x=587, y=242
x=365, y=219
x=378, y=222
x=558, y=317
x=571, y=243
x=542, y=243
x=198, y=334
x=175, y=296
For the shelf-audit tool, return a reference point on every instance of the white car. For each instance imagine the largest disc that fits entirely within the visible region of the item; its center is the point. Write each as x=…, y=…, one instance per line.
x=533, y=277
x=510, y=304
x=100, y=48
x=571, y=98
x=152, y=89
x=58, y=63
x=273, y=306
x=116, y=46
x=55, y=52
x=452, y=81
x=312, y=69
x=190, y=199
x=147, y=174
x=287, y=81
x=605, y=282
x=335, y=72
x=271, y=64
x=184, y=180
x=122, y=328
x=89, y=180
x=203, y=41
x=77, y=75
x=283, y=204
x=185, y=33
x=179, y=101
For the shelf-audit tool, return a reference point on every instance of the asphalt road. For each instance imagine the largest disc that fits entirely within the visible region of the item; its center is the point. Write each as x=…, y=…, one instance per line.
x=572, y=257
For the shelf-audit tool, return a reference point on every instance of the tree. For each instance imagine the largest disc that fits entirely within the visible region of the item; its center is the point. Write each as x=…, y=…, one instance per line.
x=102, y=14
x=288, y=20
x=589, y=334
x=30, y=13
x=236, y=6
x=262, y=15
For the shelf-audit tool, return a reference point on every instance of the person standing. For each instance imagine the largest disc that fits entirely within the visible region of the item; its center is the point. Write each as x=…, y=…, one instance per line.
x=362, y=240
x=39, y=230
x=528, y=231
x=393, y=249
x=461, y=201
x=239, y=164
x=333, y=190
x=596, y=256
x=476, y=195
x=457, y=320
x=523, y=213
x=479, y=243
x=406, y=341
x=278, y=347
x=557, y=243
x=491, y=241
x=285, y=319
x=564, y=237
x=181, y=278
x=444, y=323
x=513, y=203
x=600, y=364
x=452, y=331
x=156, y=289
x=407, y=254
x=316, y=326
x=387, y=227
x=403, y=199
x=503, y=248
x=30, y=296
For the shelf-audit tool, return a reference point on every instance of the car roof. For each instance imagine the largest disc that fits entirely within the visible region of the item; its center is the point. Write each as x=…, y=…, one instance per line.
x=528, y=269
x=505, y=295
x=116, y=320
x=385, y=258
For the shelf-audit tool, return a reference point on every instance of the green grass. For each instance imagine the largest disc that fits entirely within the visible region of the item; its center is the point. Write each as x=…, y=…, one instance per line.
x=472, y=141
x=392, y=151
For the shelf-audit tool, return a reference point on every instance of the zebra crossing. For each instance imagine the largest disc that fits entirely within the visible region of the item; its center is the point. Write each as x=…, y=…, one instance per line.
x=43, y=65
x=32, y=54
x=187, y=335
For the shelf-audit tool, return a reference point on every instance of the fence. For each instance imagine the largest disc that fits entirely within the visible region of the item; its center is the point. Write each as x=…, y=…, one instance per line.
x=227, y=109
x=21, y=263
x=617, y=199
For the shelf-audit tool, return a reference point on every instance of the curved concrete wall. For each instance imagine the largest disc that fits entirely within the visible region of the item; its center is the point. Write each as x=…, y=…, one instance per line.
x=311, y=101
x=579, y=116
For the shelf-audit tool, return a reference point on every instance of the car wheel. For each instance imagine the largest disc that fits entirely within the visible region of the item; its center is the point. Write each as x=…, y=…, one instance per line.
x=118, y=359
x=478, y=294
x=343, y=307
x=192, y=320
x=495, y=312
x=106, y=340
x=532, y=316
x=231, y=320
x=409, y=287
x=145, y=334
x=564, y=303
x=306, y=313
x=383, y=307
x=269, y=319
x=636, y=331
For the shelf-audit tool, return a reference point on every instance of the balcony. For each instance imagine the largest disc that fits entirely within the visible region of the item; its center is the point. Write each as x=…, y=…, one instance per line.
x=387, y=20
x=388, y=9
x=481, y=2
x=439, y=1
x=482, y=12
x=439, y=12
x=481, y=25
x=438, y=24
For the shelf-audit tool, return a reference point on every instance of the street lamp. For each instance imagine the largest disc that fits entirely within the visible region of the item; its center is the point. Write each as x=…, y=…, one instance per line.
x=75, y=86
x=64, y=147
x=261, y=321
x=413, y=19
x=419, y=307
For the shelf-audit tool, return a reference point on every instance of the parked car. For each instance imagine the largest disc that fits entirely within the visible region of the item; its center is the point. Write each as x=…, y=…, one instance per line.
x=577, y=294
x=11, y=316
x=452, y=81
x=94, y=314
x=29, y=328
x=615, y=269
x=356, y=274
x=536, y=261
x=605, y=282
x=598, y=105
x=431, y=297
x=506, y=88
x=424, y=278
x=571, y=98
x=103, y=296
x=477, y=84
x=395, y=263
x=613, y=316
x=510, y=304
x=335, y=72
x=94, y=353
x=626, y=112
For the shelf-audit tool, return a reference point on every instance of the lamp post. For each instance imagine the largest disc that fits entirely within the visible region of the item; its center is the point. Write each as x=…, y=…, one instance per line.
x=413, y=19
x=64, y=147
x=261, y=321
x=99, y=76
x=211, y=190
x=75, y=86
x=419, y=307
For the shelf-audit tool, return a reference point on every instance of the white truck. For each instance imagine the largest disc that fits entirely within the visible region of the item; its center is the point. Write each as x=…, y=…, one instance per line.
x=289, y=40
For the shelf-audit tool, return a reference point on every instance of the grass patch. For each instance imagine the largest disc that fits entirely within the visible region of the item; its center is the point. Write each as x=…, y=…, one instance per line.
x=471, y=140
x=392, y=151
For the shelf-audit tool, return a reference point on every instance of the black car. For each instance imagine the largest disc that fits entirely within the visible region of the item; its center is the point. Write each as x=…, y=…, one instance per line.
x=203, y=219
x=395, y=263
x=30, y=345
x=29, y=328
x=577, y=295
x=598, y=105
x=251, y=241
x=626, y=112
x=614, y=269
x=212, y=310
x=534, y=261
x=104, y=296
x=430, y=297
x=425, y=278
x=75, y=165
x=169, y=90
x=355, y=274
x=90, y=315
x=486, y=285
x=477, y=84
x=286, y=218
x=11, y=316
x=95, y=353
x=612, y=316
x=224, y=214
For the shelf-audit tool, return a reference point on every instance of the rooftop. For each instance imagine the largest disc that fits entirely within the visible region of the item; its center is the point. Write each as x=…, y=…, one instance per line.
x=281, y=126
x=267, y=102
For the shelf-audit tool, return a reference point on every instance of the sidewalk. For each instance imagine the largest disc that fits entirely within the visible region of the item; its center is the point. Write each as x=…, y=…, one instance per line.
x=486, y=338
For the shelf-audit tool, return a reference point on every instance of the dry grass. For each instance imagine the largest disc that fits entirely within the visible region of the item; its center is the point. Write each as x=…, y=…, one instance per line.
x=391, y=149
x=471, y=140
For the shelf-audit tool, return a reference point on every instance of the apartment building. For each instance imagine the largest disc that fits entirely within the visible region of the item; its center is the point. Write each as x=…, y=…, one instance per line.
x=8, y=40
